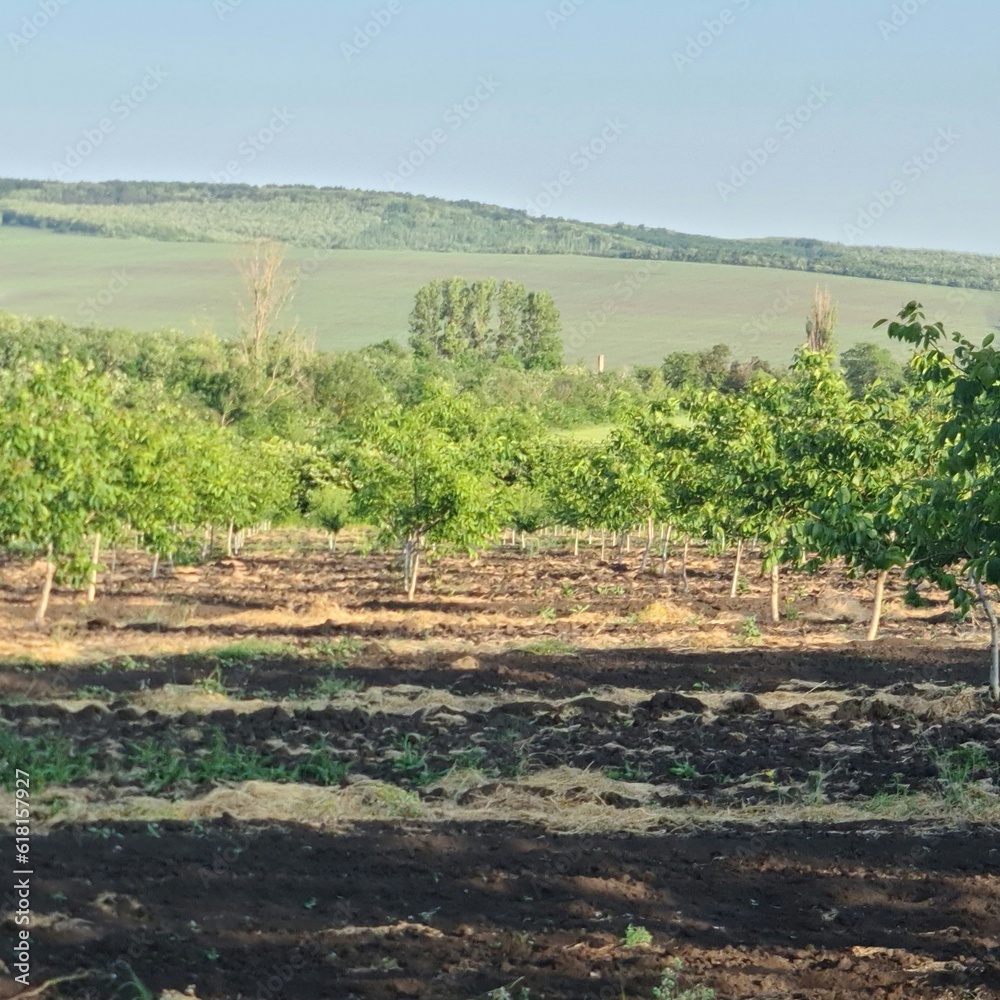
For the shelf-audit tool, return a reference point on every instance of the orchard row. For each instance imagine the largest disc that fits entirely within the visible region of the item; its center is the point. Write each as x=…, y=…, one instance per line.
x=798, y=465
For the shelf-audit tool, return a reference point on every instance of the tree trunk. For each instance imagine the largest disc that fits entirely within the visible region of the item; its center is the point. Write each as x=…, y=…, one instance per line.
x=414, y=573
x=984, y=599
x=877, y=606
x=407, y=545
x=665, y=554
x=649, y=544
x=229, y=540
x=43, y=600
x=95, y=557
x=775, y=593
x=156, y=566
x=336, y=536
x=604, y=537
x=576, y=542
x=734, y=589
x=684, y=565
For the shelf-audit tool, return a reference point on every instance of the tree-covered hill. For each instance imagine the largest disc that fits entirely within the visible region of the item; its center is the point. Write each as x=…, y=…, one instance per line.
x=338, y=218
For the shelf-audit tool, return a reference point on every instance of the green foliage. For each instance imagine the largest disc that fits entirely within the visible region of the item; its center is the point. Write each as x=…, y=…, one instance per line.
x=60, y=437
x=636, y=936
x=134, y=988
x=160, y=765
x=252, y=650
x=329, y=687
x=486, y=319
x=711, y=369
x=549, y=647
x=958, y=767
x=629, y=771
x=339, y=651
x=369, y=220
x=670, y=987
x=50, y=760
x=505, y=993
x=411, y=761
x=870, y=368
x=330, y=508
x=954, y=531
x=432, y=473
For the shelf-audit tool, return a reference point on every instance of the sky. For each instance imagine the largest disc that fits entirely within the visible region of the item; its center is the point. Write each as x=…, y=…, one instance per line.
x=858, y=121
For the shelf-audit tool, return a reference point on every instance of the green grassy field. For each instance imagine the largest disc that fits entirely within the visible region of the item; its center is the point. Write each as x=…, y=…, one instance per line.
x=632, y=311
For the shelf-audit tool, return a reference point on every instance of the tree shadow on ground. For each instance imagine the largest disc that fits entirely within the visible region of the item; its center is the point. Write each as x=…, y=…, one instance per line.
x=224, y=906
x=857, y=667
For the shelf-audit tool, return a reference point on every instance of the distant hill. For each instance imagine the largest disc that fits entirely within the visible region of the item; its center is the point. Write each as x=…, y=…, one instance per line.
x=337, y=218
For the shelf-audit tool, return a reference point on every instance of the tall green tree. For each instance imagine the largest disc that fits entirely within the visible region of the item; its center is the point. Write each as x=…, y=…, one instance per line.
x=488, y=320
x=510, y=308
x=425, y=320
x=955, y=539
x=541, y=341
x=870, y=368
x=429, y=473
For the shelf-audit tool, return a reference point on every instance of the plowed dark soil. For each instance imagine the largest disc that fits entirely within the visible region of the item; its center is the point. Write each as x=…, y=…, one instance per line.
x=509, y=670
x=451, y=913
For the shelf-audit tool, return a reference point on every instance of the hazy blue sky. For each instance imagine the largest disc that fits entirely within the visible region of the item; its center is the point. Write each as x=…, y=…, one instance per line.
x=671, y=122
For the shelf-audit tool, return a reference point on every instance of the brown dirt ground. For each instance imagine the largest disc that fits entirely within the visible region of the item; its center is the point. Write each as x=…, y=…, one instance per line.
x=749, y=838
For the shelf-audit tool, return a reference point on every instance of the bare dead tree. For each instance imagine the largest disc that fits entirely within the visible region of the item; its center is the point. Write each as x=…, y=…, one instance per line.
x=822, y=322
x=267, y=289
x=273, y=355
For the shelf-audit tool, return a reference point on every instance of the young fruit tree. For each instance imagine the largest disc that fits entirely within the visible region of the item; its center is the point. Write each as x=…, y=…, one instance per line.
x=691, y=438
x=158, y=499
x=887, y=452
x=955, y=539
x=61, y=440
x=619, y=480
x=429, y=473
x=330, y=509
x=815, y=452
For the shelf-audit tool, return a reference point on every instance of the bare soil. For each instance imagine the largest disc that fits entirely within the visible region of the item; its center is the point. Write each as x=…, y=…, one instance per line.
x=539, y=752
